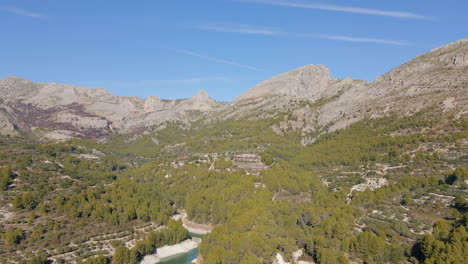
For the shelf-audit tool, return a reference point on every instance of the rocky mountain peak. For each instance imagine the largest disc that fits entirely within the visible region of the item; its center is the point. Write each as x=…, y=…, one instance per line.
x=304, y=82
x=201, y=95
x=318, y=71
x=199, y=102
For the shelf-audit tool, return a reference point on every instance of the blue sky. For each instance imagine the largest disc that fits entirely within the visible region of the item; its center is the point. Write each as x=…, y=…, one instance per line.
x=173, y=48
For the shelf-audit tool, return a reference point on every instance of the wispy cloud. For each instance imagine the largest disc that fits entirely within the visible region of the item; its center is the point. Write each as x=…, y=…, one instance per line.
x=340, y=8
x=251, y=29
x=356, y=39
x=237, y=28
x=22, y=12
x=221, y=61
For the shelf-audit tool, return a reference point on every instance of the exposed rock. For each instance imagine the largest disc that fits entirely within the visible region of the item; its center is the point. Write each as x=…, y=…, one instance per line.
x=438, y=78
x=6, y=212
x=457, y=58
x=279, y=259
x=64, y=111
x=421, y=83
x=371, y=183
x=200, y=102
x=304, y=82
x=415, y=85
x=308, y=83
x=252, y=163
x=297, y=254
x=6, y=127
x=62, y=135
x=152, y=103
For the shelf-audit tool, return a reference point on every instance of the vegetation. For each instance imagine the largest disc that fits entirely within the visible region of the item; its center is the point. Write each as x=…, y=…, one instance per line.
x=173, y=234
x=76, y=200
x=447, y=244
x=14, y=237
x=6, y=176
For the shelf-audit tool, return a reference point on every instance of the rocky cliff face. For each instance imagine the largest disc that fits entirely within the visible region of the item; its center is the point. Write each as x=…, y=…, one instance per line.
x=316, y=101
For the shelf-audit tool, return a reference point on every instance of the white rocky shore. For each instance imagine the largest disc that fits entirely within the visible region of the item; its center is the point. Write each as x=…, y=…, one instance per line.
x=168, y=251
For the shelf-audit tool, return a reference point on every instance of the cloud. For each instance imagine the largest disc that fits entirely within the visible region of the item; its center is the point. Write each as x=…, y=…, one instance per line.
x=22, y=12
x=251, y=29
x=237, y=28
x=221, y=61
x=356, y=39
x=339, y=8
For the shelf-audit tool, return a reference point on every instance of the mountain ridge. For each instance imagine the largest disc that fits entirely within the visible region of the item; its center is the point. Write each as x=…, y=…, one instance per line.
x=111, y=113
x=62, y=111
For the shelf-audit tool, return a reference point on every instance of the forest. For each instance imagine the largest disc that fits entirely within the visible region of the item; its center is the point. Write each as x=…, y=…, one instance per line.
x=112, y=202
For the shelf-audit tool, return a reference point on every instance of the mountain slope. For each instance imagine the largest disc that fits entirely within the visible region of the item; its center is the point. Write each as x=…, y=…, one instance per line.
x=63, y=111
x=314, y=102
x=391, y=187
x=438, y=78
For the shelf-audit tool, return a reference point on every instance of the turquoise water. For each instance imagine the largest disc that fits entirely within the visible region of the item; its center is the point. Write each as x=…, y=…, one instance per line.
x=183, y=258
x=195, y=235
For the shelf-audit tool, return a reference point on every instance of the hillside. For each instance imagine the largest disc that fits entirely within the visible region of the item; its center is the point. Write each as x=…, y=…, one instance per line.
x=63, y=111
x=301, y=168
x=60, y=111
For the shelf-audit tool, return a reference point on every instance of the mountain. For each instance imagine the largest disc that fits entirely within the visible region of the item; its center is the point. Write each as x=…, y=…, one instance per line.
x=438, y=78
x=310, y=82
x=61, y=111
x=439, y=74
x=301, y=168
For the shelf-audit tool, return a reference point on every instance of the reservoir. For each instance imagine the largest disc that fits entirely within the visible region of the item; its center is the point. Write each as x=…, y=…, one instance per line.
x=183, y=258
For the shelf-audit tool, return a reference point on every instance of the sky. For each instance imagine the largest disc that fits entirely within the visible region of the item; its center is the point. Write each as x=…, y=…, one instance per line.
x=174, y=48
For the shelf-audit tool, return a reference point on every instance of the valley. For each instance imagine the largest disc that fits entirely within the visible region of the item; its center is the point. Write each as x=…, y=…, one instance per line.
x=302, y=168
